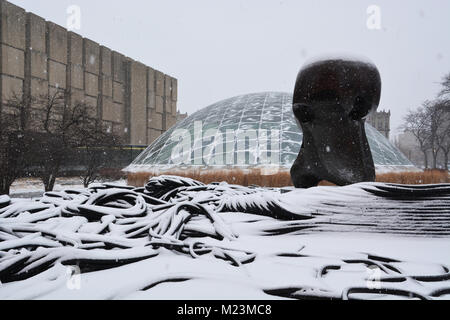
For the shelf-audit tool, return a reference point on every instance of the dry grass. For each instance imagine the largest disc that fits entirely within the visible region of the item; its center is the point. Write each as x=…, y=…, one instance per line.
x=281, y=178
x=423, y=177
x=240, y=177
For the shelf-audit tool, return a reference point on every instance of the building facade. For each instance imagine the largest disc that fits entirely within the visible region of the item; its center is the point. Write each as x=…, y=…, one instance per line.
x=381, y=121
x=38, y=57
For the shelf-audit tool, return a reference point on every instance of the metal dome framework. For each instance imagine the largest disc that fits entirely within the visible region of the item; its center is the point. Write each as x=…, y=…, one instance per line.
x=245, y=131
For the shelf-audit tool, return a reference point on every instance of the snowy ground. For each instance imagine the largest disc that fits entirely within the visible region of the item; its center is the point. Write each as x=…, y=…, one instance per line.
x=33, y=187
x=189, y=241
x=176, y=276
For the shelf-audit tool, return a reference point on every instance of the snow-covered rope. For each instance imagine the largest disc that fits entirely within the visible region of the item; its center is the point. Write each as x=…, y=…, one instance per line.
x=93, y=222
x=107, y=226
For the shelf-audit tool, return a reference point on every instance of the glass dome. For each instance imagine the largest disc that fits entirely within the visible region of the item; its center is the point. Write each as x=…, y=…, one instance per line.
x=245, y=131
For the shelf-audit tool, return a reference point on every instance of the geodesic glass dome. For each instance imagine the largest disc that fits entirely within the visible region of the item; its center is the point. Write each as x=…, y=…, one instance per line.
x=245, y=131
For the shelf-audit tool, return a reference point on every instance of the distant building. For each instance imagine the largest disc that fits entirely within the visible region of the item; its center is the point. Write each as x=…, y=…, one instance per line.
x=381, y=121
x=181, y=116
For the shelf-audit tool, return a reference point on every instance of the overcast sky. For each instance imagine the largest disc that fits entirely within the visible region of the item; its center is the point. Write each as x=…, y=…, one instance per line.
x=222, y=48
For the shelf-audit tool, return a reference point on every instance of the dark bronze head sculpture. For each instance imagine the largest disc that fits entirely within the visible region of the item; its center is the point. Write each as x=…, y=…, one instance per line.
x=331, y=100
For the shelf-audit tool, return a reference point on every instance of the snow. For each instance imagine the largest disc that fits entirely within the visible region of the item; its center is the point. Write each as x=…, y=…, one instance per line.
x=179, y=239
x=344, y=56
x=33, y=187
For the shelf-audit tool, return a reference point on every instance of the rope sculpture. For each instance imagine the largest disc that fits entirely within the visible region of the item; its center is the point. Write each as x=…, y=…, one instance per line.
x=107, y=226
x=107, y=217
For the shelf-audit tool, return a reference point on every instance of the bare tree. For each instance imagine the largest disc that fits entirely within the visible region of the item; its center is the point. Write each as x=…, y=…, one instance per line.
x=430, y=124
x=445, y=147
x=446, y=86
x=97, y=146
x=41, y=134
x=15, y=140
x=443, y=131
x=417, y=122
x=436, y=117
x=57, y=123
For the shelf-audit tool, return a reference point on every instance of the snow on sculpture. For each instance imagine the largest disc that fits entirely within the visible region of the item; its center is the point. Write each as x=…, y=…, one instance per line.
x=331, y=100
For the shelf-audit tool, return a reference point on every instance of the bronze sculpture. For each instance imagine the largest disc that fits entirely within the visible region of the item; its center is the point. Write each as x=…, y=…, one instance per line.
x=331, y=100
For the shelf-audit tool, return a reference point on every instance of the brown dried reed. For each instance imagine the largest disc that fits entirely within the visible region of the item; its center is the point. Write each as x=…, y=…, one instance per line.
x=281, y=178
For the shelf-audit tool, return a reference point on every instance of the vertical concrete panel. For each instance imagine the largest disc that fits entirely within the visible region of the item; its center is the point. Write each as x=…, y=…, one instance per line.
x=77, y=96
x=151, y=88
x=38, y=87
x=91, y=84
x=118, y=67
x=57, y=74
x=38, y=64
x=75, y=49
x=75, y=69
x=126, y=98
x=120, y=98
x=76, y=77
x=106, y=86
x=36, y=29
x=159, y=104
x=167, y=111
x=10, y=87
x=91, y=63
x=118, y=92
x=36, y=82
x=105, y=60
x=167, y=87
x=91, y=56
x=138, y=103
x=174, y=108
x=13, y=61
x=160, y=98
x=152, y=119
x=92, y=103
x=12, y=50
x=174, y=89
x=57, y=43
x=159, y=78
x=155, y=120
x=57, y=49
x=112, y=112
x=104, y=81
x=171, y=121
x=13, y=21
x=153, y=134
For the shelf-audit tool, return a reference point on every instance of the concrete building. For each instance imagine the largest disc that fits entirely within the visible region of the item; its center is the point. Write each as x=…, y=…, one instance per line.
x=38, y=57
x=381, y=121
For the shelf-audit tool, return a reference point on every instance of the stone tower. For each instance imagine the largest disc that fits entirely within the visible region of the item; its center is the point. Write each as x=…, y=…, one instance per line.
x=381, y=121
